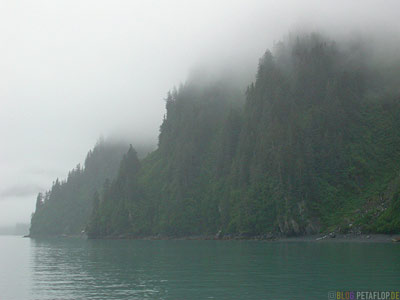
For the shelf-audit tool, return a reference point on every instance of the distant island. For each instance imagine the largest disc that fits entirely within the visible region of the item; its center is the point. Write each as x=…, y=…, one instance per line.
x=312, y=146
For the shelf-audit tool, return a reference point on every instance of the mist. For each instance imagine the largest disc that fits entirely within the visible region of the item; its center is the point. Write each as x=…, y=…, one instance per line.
x=72, y=71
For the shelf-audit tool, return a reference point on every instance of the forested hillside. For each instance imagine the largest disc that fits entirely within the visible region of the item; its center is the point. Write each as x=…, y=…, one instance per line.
x=66, y=207
x=315, y=142
x=312, y=145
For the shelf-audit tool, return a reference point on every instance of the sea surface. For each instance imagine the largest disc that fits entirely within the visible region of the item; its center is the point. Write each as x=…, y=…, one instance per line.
x=67, y=268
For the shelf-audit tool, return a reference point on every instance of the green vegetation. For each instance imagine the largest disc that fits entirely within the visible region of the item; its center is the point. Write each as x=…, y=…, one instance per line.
x=313, y=145
x=66, y=208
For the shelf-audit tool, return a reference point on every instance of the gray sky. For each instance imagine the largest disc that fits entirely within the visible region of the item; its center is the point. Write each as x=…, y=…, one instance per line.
x=72, y=70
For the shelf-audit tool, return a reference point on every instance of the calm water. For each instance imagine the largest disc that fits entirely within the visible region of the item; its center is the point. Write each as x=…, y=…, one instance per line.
x=117, y=269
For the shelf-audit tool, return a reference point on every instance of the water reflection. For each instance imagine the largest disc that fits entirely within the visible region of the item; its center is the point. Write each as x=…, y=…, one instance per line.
x=74, y=268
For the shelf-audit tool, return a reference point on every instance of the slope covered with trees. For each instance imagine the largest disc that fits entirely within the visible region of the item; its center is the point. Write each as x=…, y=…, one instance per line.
x=66, y=207
x=313, y=146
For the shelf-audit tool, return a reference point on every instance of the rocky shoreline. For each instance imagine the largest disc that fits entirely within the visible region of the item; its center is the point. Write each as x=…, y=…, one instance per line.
x=371, y=238
x=326, y=237
x=363, y=238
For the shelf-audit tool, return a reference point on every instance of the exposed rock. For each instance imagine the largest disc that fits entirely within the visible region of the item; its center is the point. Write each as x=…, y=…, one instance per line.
x=295, y=226
x=269, y=236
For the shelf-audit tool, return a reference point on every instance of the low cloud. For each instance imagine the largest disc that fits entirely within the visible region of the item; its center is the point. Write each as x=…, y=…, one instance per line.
x=20, y=191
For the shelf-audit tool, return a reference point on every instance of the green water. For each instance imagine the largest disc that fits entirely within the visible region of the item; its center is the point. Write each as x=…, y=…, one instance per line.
x=135, y=269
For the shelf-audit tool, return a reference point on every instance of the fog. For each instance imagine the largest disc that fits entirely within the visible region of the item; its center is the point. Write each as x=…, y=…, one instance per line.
x=71, y=71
